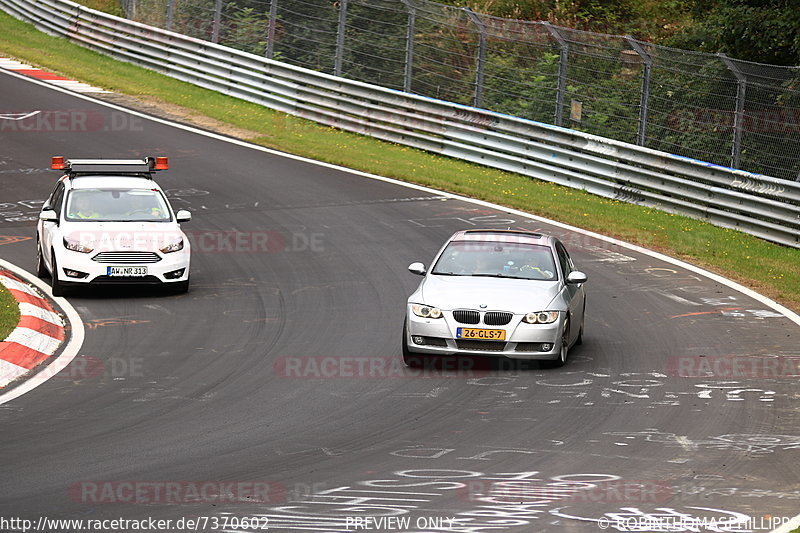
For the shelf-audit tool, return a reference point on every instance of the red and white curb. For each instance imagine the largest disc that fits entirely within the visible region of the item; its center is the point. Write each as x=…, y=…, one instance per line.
x=38, y=334
x=48, y=77
x=72, y=344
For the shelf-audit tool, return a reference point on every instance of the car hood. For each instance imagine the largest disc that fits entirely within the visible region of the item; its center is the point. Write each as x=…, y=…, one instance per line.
x=500, y=294
x=116, y=236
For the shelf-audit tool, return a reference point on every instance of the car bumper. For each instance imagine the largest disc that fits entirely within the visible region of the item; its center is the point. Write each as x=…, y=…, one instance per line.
x=76, y=268
x=522, y=340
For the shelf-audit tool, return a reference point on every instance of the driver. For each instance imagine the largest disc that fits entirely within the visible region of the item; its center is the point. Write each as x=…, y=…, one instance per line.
x=82, y=208
x=534, y=268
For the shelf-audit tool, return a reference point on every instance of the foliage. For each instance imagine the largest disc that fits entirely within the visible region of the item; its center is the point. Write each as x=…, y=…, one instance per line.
x=9, y=313
x=247, y=30
x=763, y=31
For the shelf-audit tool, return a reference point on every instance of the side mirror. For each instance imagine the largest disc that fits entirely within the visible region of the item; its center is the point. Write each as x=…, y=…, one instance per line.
x=417, y=268
x=49, y=215
x=576, y=277
x=183, y=216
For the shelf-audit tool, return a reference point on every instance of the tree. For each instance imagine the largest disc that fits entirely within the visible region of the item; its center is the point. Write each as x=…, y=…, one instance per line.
x=763, y=31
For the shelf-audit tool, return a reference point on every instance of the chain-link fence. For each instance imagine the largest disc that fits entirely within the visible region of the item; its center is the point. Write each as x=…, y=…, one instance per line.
x=704, y=106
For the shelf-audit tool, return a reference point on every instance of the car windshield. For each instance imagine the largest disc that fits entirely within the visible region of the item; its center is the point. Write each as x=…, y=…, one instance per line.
x=497, y=259
x=117, y=205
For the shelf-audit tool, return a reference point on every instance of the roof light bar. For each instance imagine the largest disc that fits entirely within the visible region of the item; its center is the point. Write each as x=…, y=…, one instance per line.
x=111, y=166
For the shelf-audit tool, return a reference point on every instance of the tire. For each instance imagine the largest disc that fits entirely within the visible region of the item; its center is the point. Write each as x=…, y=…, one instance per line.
x=41, y=269
x=410, y=358
x=57, y=286
x=564, y=352
x=579, y=340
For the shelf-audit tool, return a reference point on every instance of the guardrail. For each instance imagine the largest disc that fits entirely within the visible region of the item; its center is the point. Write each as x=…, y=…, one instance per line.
x=760, y=205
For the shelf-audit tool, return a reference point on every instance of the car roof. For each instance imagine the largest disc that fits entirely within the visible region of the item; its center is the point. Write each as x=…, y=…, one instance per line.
x=495, y=235
x=111, y=182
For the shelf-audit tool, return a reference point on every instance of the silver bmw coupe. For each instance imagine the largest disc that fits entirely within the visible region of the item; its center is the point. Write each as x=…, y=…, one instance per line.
x=513, y=294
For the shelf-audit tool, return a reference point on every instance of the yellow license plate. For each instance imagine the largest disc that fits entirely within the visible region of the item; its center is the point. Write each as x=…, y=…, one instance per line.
x=481, y=334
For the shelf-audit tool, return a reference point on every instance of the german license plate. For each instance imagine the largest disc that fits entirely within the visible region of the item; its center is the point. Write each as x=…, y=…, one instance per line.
x=481, y=334
x=127, y=271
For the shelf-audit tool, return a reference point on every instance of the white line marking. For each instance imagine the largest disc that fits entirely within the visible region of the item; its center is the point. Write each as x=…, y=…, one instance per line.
x=18, y=116
x=677, y=298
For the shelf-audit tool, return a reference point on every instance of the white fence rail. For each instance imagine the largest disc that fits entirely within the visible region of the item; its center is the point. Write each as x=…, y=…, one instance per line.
x=760, y=205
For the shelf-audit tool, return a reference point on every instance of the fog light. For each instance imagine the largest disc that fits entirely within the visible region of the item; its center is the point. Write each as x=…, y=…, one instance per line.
x=418, y=340
x=546, y=347
x=75, y=273
x=175, y=274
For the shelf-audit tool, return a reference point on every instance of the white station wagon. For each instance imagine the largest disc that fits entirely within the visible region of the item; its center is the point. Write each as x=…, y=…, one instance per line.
x=108, y=222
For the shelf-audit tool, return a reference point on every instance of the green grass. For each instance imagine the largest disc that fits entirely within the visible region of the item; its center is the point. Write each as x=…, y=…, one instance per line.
x=768, y=268
x=9, y=313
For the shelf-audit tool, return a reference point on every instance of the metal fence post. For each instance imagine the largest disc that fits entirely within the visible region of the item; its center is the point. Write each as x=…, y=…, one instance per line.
x=273, y=16
x=170, y=13
x=477, y=100
x=738, y=118
x=643, y=102
x=562, y=71
x=337, y=65
x=217, y=21
x=409, y=67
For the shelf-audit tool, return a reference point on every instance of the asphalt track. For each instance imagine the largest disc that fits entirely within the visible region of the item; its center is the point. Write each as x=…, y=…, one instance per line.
x=228, y=383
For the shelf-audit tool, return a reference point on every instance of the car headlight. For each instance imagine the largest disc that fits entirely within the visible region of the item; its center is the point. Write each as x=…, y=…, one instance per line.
x=426, y=311
x=541, y=317
x=174, y=247
x=75, y=246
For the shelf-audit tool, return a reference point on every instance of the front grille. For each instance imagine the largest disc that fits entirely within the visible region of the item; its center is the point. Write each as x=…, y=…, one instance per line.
x=497, y=318
x=127, y=257
x=467, y=317
x=484, y=346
